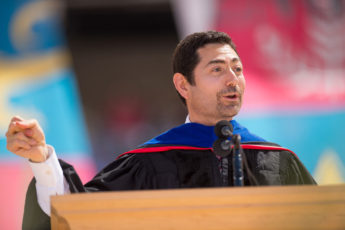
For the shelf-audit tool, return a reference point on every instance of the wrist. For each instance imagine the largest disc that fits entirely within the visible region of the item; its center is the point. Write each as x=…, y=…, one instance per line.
x=42, y=156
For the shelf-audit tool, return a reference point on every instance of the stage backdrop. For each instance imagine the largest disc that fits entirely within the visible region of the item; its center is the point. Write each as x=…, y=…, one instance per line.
x=36, y=81
x=294, y=63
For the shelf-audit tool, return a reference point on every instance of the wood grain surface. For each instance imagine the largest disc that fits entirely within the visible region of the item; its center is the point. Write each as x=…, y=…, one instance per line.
x=280, y=207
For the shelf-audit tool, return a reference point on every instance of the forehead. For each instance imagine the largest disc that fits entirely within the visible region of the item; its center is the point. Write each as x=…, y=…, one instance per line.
x=216, y=51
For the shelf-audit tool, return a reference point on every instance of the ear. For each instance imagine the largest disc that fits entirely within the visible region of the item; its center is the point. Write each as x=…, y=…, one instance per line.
x=181, y=84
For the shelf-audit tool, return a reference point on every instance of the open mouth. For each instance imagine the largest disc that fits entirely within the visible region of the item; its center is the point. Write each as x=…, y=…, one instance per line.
x=231, y=96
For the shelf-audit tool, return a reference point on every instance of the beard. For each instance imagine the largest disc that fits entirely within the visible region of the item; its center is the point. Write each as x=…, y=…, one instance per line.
x=229, y=108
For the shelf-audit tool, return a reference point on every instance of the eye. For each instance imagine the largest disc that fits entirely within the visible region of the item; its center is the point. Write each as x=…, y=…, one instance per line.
x=217, y=69
x=238, y=69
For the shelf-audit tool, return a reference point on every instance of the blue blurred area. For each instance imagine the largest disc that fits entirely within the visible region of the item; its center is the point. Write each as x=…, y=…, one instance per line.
x=309, y=135
x=40, y=30
x=37, y=77
x=57, y=100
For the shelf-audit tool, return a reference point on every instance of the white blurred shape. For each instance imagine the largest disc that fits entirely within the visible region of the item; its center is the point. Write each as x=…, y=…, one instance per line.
x=194, y=15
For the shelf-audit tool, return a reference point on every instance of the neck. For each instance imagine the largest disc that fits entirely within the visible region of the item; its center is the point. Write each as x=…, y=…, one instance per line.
x=207, y=122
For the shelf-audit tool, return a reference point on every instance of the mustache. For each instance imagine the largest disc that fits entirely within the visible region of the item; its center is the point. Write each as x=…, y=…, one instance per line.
x=230, y=89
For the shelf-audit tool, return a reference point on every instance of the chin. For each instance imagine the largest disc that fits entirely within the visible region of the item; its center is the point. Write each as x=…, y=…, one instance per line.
x=230, y=113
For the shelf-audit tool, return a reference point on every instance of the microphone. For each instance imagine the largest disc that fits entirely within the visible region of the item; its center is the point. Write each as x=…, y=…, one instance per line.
x=223, y=129
x=222, y=147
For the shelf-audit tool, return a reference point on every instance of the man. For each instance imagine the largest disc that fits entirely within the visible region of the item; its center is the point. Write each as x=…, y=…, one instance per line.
x=208, y=76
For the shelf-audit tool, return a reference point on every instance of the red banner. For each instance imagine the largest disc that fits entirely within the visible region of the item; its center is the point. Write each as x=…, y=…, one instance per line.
x=293, y=51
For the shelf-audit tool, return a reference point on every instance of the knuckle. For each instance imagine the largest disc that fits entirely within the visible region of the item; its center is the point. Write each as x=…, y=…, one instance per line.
x=10, y=147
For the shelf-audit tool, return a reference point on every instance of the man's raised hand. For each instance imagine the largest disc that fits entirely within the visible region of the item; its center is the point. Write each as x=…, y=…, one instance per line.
x=25, y=138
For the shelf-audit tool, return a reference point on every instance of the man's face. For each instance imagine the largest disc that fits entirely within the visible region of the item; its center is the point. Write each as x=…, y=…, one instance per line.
x=219, y=85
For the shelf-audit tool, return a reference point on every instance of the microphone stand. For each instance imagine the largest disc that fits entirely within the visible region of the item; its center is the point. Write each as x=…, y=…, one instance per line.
x=237, y=164
x=223, y=147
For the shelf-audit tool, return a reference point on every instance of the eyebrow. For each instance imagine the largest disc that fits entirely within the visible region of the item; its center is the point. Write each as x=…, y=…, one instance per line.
x=215, y=61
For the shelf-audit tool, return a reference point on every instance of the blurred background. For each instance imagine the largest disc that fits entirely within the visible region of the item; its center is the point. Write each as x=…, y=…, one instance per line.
x=97, y=76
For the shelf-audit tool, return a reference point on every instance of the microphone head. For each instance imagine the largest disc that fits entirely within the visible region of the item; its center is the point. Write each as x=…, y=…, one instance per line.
x=223, y=129
x=222, y=147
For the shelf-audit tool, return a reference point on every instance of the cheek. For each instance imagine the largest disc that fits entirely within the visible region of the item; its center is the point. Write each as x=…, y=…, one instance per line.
x=203, y=94
x=242, y=84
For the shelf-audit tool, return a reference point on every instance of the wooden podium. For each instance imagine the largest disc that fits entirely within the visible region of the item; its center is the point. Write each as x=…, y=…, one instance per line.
x=283, y=207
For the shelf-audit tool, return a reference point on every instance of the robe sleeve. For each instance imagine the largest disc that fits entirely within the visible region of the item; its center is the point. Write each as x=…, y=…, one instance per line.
x=34, y=217
x=130, y=172
x=126, y=173
x=293, y=171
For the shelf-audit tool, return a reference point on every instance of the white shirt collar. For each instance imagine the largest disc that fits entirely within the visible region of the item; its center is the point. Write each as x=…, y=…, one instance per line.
x=187, y=119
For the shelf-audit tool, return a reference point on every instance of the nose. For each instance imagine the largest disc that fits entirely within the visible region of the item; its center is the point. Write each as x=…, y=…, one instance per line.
x=231, y=78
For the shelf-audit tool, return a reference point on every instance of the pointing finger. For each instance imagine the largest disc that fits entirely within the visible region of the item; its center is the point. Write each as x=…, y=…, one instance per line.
x=16, y=118
x=26, y=124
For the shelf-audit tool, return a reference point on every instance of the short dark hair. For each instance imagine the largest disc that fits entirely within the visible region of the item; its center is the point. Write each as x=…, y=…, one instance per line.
x=185, y=56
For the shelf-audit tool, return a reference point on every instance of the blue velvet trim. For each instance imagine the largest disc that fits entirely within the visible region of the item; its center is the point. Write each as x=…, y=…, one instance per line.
x=194, y=134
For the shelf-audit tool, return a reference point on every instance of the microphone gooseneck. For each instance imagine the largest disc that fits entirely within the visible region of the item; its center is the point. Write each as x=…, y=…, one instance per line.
x=237, y=164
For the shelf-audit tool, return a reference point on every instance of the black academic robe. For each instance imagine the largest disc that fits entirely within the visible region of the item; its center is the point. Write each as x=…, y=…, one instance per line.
x=181, y=158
